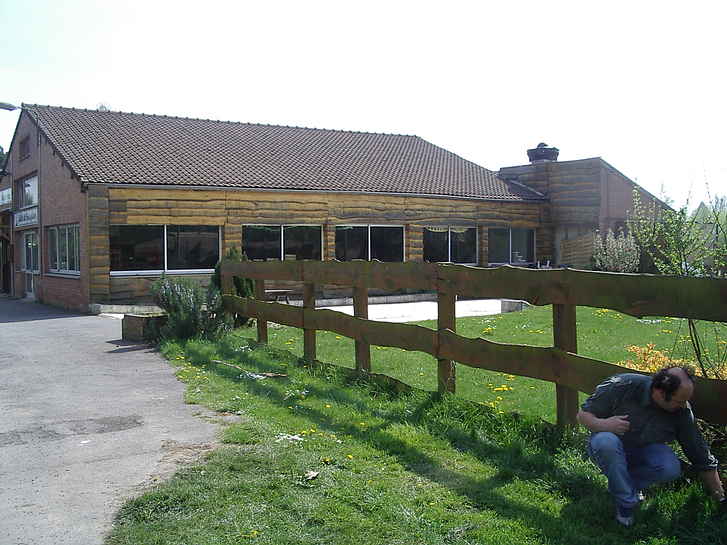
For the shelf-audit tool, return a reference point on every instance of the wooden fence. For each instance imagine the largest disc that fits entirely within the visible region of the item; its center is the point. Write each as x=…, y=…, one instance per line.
x=634, y=294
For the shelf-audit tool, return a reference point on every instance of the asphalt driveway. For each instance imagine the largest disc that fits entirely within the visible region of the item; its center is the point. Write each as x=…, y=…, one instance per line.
x=87, y=421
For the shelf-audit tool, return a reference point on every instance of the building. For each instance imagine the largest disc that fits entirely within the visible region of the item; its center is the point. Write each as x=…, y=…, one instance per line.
x=94, y=205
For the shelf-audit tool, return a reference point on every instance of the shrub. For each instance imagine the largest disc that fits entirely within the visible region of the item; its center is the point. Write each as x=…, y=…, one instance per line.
x=190, y=312
x=617, y=253
x=243, y=286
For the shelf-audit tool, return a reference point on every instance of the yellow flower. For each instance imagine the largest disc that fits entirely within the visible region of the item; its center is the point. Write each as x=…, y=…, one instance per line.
x=349, y=456
x=327, y=406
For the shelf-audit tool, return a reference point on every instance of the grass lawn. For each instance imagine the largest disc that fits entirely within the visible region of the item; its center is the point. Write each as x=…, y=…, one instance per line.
x=319, y=456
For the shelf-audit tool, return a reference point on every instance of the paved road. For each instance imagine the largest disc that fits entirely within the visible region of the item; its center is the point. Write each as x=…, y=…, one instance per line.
x=87, y=421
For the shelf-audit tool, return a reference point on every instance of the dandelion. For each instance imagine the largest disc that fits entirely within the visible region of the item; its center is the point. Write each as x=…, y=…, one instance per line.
x=349, y=456
x=327, y=406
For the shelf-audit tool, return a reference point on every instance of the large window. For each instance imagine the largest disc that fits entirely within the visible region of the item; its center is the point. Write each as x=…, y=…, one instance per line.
x=515, y=246
x=158, y=248
x=453, y=244
x=384, y=243
x=263, y=242
x=28, y=192
x=192, y=247
x=64, y=255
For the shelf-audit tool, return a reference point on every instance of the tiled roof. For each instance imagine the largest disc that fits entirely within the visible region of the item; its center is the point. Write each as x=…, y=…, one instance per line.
x=128, y=148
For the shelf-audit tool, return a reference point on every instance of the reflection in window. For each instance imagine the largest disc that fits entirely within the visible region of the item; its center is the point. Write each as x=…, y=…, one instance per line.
x=302, y=241
x=450, y=244
x=516, y=246
x=192, y=246
x=64, y=249
x=387, y=243
x=352, y=242
x=261, y=242
x=383, y=243
x=137, y=247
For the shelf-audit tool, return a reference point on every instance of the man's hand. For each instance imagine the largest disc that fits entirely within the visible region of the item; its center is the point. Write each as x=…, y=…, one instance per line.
x=618, y=424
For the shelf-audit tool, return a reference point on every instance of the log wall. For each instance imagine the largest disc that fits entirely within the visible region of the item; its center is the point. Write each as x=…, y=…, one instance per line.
x=233, y=209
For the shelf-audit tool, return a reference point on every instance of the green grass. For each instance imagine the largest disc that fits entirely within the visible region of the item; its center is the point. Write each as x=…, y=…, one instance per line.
x=393, y=468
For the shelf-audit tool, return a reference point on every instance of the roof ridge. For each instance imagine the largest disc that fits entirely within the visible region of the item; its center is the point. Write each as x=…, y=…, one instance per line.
x=144, y=114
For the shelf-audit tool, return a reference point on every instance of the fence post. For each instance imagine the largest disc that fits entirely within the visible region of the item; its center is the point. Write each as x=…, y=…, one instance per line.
x=361, y=310
x=446, y=319
x=309, y=335
x=564, y=337
x=262, y=325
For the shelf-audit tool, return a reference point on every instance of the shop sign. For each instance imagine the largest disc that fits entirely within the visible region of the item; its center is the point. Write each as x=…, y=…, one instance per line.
x=28, y=216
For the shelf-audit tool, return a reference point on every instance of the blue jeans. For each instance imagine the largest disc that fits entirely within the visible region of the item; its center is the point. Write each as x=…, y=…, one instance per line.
x=633, y=469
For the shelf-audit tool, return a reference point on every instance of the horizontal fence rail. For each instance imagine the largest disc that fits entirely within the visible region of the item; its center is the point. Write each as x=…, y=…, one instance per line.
x=637, y=295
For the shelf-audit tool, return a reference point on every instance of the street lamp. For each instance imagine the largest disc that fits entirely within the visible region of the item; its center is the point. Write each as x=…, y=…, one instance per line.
x=8, y=106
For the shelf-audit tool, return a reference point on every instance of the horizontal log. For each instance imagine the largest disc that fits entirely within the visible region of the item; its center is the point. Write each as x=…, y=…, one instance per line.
x=567, y=369
x=634, y=294
x=406, y=336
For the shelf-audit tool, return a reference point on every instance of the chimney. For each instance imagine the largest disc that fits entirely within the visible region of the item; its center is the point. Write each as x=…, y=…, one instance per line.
x=543, y=154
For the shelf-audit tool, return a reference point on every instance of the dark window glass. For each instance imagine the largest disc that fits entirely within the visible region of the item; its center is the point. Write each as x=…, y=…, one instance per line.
x=302, y=242
x=387, y=243
x=261, y=242
x=464, y=244
x=192, y=246
x=352, y=243
x=435, y=244
x=522, y=246
x=498, y=245
x=137, y=247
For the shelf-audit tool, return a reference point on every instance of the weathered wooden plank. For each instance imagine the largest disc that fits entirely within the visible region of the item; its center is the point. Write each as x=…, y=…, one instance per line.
x=576, y=372
x=265, y=311
x=361, y=310
x=309, y=332
x=446, y=320
x=262, y=325
x=565, y=338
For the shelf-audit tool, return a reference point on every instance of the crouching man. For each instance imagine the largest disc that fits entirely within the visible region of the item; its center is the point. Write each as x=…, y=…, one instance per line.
x=632, y=417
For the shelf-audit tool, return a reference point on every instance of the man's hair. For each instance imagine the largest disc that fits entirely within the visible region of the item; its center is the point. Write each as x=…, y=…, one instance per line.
x=669, y=382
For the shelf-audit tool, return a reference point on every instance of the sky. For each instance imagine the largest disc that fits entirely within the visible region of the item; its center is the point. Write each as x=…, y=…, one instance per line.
x=641, y=84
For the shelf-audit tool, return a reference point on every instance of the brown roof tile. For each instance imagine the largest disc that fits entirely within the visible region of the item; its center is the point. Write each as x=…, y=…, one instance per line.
x=119, y=147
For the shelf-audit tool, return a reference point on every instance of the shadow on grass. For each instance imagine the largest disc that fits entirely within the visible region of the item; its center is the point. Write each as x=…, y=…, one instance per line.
x=586, y=516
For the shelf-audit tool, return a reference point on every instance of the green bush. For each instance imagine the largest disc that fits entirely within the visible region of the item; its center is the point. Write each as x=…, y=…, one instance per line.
x=190, y=312
x=243, y=286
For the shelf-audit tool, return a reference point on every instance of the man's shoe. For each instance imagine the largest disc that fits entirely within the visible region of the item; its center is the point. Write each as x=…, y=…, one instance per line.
x=625, y=516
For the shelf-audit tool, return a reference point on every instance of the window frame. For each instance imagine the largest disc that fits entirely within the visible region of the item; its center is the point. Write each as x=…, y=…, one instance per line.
x=509, y=248
x=281, y=240
x=75, y=232
x=368, y=236
x=449, y=244
x=166, y=270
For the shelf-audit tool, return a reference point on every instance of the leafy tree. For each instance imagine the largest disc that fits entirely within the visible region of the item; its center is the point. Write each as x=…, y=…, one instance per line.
x=617, y=253
x=684, y=244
